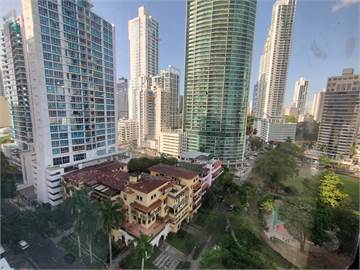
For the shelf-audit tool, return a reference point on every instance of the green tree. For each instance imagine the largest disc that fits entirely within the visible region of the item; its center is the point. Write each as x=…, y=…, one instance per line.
x=143, y=248
x=212, y=259
x=266, y=203
x=91, y=224
x=279, y=164
x=290, y=119
x=8, y=177
x=112, y=216
x=353, y=151
x=75, y=205
x=250, y=124
x=331, y=190
x=298, y=215
x=256, y=143
x=307, y=131
x=139, y=165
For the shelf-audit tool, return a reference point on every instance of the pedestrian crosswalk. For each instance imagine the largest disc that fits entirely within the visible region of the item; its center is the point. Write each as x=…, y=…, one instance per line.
x=166, y=260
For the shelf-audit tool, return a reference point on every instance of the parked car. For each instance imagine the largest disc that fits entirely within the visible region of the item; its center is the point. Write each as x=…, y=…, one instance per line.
x=23, y=245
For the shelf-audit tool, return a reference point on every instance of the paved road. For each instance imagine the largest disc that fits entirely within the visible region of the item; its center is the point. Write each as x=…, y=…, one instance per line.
x=169, y=258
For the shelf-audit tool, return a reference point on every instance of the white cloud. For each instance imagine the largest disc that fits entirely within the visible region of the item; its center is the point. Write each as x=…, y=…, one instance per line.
x=340, y=4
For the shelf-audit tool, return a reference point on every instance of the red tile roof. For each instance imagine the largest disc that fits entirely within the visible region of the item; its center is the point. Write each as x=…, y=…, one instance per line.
x=148, y=183
x=173, y=171
x=107, y=174
x=137, y=229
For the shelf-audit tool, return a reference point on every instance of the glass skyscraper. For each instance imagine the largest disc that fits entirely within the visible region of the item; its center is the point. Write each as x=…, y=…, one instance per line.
x=219, y=41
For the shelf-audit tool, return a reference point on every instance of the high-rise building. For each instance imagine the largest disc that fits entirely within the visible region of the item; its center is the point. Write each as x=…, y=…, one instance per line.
x=16, y=81
x=219, y=41
x=167, y=98
x=2, y=92
x=147, y=113
x=340, y=117
x=158, y=106
x=317, y=105
x=128, y=131
x=122, y=89
x=300, y=94
x=270, y=87
x=274, y=61
x=144, y=56
x=71, y=55
x=16, y=104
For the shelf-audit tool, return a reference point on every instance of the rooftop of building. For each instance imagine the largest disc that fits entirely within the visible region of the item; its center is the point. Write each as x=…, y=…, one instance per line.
x=196, y=155
x=173, y=171
x=148, y=183
x=136, y=229
x=108, y=174
x=198, y=168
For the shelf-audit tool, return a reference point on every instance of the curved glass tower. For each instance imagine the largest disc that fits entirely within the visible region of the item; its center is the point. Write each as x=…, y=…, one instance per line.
x=219, y=41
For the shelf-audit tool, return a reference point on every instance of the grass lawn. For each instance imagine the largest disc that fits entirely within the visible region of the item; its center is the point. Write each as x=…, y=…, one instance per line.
x=351, y=187
x=182, y=240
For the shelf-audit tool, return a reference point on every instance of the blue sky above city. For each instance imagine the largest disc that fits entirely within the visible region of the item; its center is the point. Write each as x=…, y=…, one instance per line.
x=325, y=38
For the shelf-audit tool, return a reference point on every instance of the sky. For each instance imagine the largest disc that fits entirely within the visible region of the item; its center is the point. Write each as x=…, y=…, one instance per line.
x=326, y=36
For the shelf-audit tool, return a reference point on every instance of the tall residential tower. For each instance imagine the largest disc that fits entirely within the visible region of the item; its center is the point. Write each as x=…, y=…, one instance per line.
x=219, y=41
x=144, y=56
x=270, y=87
x=300, y=94
x=71, y=55
x=340, y=120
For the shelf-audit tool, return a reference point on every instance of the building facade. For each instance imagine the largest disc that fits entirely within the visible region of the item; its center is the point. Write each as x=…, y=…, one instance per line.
x=219, y=40
x=71, y=55
x=123, y=106
x=317, y=105
x=300, y=94
x=128, y=132
x=167, y=99
x=274, y=61
x=276, y=130
x=173, y=142
x=16, y=81
x=144, y=56
x=340, y=117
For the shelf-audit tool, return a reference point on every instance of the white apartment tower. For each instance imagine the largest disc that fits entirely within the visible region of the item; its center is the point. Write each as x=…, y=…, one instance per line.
x=122, y=89
x=274, y=61
x=17, y=92
x=317, y=105
x=71, y=55
x=300, y=94
x=144, y=56
x=159, y=97
x=167, y=100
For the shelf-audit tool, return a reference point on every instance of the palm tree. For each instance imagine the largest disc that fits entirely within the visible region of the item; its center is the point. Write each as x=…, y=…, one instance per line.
x=91, y=224
x=143, y=248
x=111, y=217
x=75, y=205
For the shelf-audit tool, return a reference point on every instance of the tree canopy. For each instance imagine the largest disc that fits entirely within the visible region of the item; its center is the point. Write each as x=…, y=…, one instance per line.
x=139, y=165
x=279, y=164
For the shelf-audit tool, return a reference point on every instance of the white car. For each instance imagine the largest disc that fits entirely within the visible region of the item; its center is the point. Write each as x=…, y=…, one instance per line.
x=23, y=244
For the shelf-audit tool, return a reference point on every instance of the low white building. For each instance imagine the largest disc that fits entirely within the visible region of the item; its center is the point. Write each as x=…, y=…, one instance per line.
x=276, y=130
x=173, y=142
